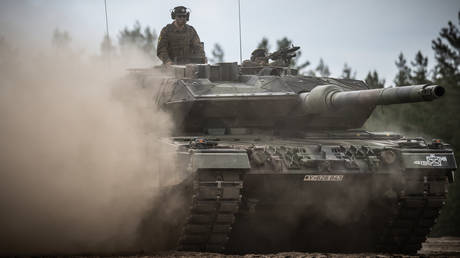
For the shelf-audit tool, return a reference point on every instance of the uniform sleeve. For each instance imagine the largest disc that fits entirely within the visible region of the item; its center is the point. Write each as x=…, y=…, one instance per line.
x=162, y=47
x=196, y=44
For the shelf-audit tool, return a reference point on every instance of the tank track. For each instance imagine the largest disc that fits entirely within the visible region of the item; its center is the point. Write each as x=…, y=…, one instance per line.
x=215, y=202
x=415, y=214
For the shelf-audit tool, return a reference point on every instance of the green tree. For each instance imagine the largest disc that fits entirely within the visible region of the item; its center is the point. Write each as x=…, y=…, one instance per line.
x=217, y=54
x=373, y=80
x=447, y=51
x=403, y=75
x=347, y=72
x=264, y=44
x=142, y=39
x=419, y=70
x=283, y=43
x=61, y=39
x=322, y=69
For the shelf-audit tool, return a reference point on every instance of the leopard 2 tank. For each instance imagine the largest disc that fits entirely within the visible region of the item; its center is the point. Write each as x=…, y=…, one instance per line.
x=273, y=161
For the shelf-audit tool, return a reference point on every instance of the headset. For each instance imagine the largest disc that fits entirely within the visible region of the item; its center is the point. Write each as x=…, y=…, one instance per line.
x=180, y=9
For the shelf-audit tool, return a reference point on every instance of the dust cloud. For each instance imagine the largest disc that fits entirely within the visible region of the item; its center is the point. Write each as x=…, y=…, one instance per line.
x=79, y=153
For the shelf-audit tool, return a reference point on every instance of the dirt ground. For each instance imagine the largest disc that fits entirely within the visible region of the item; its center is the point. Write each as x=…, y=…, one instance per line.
x=281, y=255
x=297, y=255
x=433, y=247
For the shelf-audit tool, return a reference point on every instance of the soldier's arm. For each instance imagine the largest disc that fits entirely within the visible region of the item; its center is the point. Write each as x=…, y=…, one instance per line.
x=162, y=47
x=196, y=44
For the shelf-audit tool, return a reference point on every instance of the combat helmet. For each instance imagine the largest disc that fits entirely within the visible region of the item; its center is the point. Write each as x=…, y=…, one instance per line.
x=180, y=10
x=258, y=53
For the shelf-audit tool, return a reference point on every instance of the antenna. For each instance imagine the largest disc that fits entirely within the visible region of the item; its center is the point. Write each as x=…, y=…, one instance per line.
x=239, y=23
x=107, y=34
x=106, y=20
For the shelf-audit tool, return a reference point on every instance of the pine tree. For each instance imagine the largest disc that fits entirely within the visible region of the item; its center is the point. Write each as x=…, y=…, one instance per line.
x=403, y=76
x=322, y=69
x=419, y=70
x=347, y=72
x=218, y=54
x=150, y=37
x=264, y=44
x=283, y=43
x=447, y=55
x=373, y=80
x=144, y=40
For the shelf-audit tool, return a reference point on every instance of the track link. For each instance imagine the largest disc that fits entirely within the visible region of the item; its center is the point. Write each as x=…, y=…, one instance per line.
x=215, y=202
x=416, y=212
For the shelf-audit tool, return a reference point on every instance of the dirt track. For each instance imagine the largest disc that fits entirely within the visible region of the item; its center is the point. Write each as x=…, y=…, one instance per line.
x=297, y=255
x=433, y=247
x=282, y=255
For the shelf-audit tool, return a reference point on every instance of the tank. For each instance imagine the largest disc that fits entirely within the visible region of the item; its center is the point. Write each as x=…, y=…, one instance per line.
x=273, y=161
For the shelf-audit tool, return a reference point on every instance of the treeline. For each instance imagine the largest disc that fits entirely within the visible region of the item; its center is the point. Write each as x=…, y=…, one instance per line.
x=135, y=38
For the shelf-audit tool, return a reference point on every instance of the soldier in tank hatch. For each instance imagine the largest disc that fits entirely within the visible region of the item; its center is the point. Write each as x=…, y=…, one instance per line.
x=179, y=43
x=258, y=58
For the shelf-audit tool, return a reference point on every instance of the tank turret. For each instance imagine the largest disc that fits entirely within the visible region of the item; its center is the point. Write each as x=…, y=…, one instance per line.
x=225, y=96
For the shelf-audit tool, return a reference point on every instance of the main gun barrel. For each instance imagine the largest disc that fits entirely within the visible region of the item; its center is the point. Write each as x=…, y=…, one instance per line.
x=331, y=97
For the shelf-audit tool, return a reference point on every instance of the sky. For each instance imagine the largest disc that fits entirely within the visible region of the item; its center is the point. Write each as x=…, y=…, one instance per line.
x=365, y=34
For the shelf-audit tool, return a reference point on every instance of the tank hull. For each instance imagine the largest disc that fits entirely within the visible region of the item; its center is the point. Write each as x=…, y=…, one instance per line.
x=339, y=200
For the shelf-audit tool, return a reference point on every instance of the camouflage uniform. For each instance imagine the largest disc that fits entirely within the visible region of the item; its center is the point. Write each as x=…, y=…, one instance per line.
x=177, y=45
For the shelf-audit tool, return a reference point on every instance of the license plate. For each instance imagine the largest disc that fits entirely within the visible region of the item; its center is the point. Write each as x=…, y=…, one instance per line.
x=323, y=178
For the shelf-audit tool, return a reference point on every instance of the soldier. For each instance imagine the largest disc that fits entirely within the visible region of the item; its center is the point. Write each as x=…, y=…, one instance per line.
x=178, y=42
x=258, y=58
